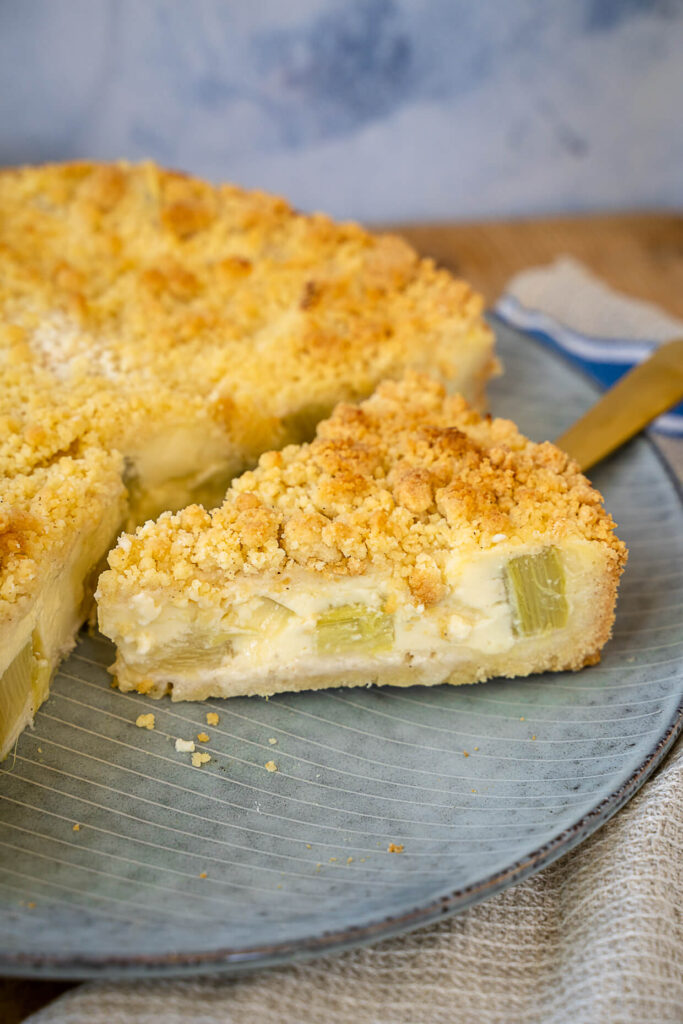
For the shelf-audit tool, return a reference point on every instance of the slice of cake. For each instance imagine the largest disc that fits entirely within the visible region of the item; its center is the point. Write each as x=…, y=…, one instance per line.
x=412, y=541
x=163, y=332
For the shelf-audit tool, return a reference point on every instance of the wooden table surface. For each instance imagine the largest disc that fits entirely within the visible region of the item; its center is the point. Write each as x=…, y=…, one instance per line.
x=639, y=253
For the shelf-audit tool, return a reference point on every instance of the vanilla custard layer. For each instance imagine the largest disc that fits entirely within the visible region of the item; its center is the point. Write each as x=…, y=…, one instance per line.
x=267, y=635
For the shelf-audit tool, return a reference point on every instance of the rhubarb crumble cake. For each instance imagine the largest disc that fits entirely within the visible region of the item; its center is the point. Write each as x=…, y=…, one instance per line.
x=413, y=541
x=157, y=334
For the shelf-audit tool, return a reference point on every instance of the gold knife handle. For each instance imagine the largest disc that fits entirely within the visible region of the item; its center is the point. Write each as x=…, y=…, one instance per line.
x=644, y=392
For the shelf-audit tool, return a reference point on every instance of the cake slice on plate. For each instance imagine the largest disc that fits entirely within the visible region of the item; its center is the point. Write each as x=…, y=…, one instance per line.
x=412, y=541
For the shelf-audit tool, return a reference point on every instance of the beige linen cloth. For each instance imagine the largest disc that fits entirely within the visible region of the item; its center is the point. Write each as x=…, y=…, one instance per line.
x=597, y=938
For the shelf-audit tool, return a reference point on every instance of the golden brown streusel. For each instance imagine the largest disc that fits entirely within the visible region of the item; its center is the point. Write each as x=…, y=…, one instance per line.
x=395, y=484
x=145, y=721
x=199, y=759
x=42, y=513
x=133, y=296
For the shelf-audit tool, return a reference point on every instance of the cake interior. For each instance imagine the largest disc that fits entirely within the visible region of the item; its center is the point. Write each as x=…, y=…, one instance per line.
x=509, y=610
x=40, y=635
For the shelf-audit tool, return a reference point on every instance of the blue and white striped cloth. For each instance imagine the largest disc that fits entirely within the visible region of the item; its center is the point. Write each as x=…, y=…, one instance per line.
x=604, y=359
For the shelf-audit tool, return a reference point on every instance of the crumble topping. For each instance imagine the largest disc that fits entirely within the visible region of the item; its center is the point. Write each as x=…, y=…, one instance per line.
x=175, y=297
x=395, y=483
x=145, y=721
x=41, y=514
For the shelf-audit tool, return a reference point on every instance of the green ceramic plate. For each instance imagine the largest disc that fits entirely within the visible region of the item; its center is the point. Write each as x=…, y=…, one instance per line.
x=177, y=869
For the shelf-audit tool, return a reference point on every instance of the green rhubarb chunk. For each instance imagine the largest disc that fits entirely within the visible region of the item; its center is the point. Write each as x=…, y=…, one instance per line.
x=208, y=650
x=259, y=615
x=354, y=628
x=24, y=684
x=180, y=659
x=535, y=588
x=15, y=687
x=268, y=616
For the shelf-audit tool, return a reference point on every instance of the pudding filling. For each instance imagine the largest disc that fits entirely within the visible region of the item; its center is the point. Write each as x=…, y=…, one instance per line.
x=306, y=630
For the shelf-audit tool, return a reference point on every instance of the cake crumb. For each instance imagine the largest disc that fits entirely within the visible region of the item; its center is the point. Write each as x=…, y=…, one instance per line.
x=395, y=848
x=349, y=860
x=212, y=718
x=533, y=737
x=199, y=759
x=202, y=874
x=203, y=737
x=145, y=721
x=308, y=846
x=270, y=766
x=272, y=741
x=465, y=753
x=184, y=746
x=76, y=828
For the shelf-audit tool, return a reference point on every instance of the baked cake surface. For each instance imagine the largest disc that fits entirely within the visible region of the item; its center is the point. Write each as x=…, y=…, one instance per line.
x=164, y=332
x=412, y=541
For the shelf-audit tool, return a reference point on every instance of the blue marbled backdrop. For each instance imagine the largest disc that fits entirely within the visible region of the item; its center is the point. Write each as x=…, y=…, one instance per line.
x=370, y=108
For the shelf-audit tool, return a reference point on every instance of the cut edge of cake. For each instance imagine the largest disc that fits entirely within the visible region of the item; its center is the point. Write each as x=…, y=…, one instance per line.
x=413, y=541
x=56, y=528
